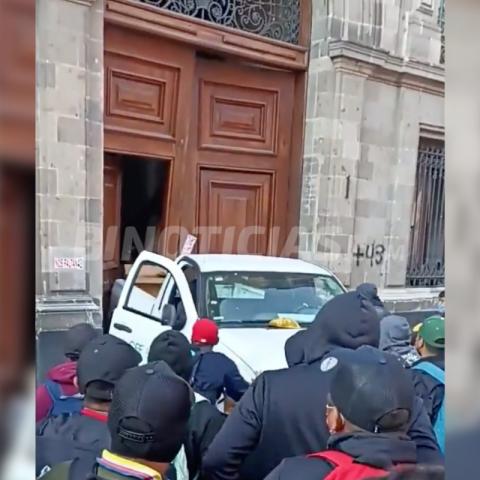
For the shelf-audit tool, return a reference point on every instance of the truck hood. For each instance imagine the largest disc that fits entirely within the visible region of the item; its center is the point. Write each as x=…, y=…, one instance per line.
x=255, y=350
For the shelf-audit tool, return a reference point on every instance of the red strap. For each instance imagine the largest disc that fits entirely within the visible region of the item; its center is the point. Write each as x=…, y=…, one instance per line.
x=335, y=457
x=99, y=416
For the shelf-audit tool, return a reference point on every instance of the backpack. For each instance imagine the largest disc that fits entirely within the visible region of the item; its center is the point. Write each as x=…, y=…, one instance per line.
x=62, y=404
x=345, y=467
x=438, y=374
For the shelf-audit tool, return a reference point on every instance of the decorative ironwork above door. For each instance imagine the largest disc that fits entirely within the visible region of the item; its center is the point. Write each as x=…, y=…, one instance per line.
x=276, y=19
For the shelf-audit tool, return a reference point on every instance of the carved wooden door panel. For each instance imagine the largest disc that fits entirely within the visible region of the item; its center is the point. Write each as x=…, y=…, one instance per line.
x=148, y=98
x=239, y=149
x=240, y=205
x=112, y=204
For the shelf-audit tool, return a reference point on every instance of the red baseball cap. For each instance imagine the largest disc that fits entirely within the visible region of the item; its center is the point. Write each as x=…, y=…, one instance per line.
x=205, y=332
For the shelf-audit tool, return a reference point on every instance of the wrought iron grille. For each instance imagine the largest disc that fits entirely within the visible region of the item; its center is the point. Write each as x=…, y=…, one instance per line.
x=277, y=19
x=441, y=24
x=426, y=264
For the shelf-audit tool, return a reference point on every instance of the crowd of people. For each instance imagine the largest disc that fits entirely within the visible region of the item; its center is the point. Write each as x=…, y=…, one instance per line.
x=362, y=397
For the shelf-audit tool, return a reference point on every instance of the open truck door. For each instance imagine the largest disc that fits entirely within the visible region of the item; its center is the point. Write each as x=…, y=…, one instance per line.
x=143, y=313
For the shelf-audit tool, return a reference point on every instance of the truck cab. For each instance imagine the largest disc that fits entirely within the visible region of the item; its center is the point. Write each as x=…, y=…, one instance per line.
x=243, y=294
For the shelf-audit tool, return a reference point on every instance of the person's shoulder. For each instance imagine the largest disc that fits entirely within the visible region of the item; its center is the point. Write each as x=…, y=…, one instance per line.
x=56, y=425
x=205, y=409
x=306, y=468
x=219, y=357
x=419, y=372
x=297, y=372
x=214, y=356
x=269, y=376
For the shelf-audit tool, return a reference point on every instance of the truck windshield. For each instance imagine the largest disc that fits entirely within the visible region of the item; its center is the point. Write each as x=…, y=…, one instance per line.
x=256, y=298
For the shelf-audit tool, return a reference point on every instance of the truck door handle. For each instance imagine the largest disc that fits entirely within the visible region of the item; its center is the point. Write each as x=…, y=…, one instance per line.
x=123, y=328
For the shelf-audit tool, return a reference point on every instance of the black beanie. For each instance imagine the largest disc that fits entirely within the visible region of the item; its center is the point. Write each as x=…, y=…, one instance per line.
x=175, y=350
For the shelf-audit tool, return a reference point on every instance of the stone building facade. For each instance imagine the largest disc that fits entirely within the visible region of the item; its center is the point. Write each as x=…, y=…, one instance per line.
x=375, y=88
x=69, y=119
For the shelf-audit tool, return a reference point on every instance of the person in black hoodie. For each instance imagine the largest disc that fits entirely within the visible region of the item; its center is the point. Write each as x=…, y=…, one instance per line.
x=367, y=413
x=278, y=416
x=294, y=349
x=369, y=291
x=205, y=420
x=83, y=435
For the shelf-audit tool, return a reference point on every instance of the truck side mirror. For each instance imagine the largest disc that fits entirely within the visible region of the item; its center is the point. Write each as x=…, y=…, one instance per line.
x=181, y=318
x=169, y=315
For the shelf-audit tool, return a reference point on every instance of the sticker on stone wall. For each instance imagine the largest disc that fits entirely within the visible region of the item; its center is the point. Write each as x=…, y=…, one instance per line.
x=69, y=263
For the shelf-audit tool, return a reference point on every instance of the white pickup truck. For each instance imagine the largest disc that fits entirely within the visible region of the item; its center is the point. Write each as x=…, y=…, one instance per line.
x=242, y=293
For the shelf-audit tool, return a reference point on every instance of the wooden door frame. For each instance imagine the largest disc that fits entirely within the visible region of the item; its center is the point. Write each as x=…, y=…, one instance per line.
x=205, y=35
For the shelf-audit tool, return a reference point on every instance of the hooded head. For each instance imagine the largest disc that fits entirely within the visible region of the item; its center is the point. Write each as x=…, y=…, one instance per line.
x=295, y=348
x=346, y=321
x=369, y=291
x=174, y=349
x=395, y=331
x=395, y=337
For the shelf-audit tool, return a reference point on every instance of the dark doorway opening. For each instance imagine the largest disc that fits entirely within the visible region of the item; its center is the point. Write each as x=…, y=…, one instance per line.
x=135, y=205
x=144, y=197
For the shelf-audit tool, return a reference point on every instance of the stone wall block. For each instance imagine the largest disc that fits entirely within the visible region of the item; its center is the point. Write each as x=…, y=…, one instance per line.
x=71, y=130
x=46, y=181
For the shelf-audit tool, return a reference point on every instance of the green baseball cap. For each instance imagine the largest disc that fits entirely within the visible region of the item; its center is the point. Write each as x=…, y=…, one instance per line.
x=433, y=331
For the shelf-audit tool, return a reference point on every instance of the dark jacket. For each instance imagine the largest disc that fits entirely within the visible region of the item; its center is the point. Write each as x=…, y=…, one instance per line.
x=379, y=451
x=283, y=413
x=215, y=374
x=65, y=438
x=205, y=422
x=430, y=390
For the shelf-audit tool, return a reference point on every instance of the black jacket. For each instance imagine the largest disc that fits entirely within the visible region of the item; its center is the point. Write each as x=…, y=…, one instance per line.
x=429, y=389
x=65, y=438
x=283, y=413
x=379, y=451
x=205, y=422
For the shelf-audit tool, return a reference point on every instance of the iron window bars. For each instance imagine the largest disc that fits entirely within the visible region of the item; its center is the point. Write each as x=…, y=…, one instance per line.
x=276, y=19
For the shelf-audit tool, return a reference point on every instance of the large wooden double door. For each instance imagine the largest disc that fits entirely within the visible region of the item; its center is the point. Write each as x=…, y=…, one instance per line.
x=225, y=126
x=238, y=154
